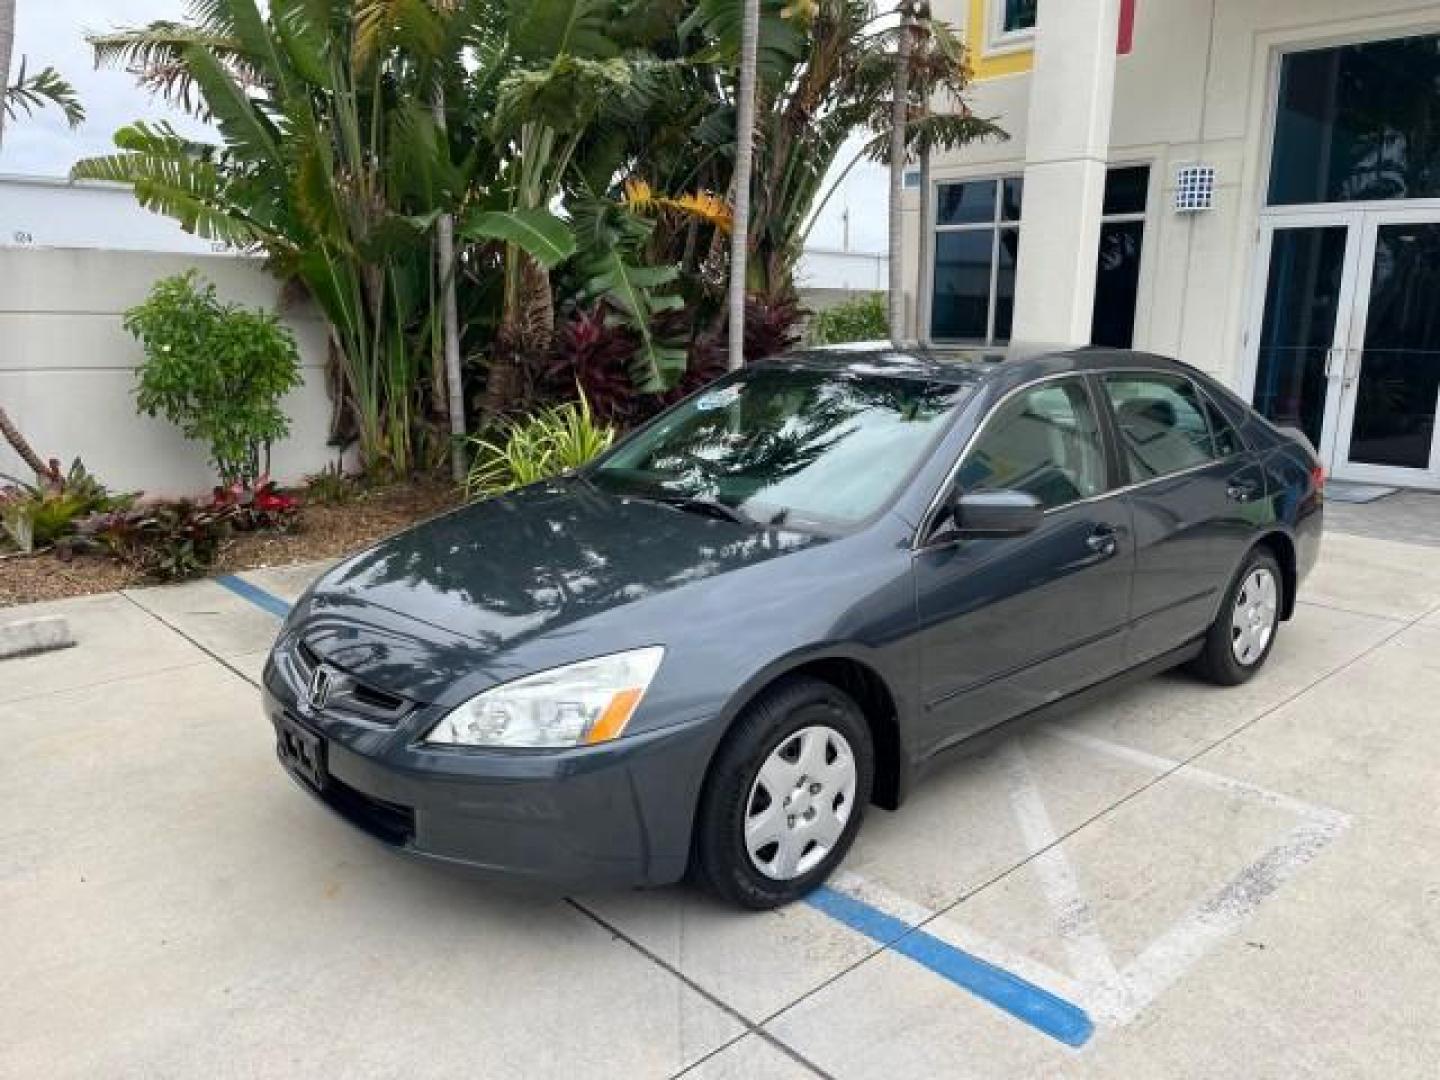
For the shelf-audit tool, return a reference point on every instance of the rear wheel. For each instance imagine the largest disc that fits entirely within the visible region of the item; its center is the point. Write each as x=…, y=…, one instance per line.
x=1240, y=639
x=785, y=795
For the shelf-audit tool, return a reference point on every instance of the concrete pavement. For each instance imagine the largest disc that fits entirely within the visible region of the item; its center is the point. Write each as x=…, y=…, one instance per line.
x=1241, y=882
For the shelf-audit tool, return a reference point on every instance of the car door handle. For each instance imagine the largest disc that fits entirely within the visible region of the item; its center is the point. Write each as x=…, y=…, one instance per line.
x=1103, y=542
x=1242, y=488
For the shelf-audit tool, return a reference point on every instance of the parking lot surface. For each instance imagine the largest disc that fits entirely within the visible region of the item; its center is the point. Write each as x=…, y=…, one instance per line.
x=1179, y=881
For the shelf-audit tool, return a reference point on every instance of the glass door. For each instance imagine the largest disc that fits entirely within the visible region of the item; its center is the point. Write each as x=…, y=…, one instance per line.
x=1390, y=381
x=1309, y=263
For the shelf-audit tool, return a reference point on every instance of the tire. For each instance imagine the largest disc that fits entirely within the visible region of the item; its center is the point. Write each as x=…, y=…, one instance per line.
x=1235, y=649
x=798, y=724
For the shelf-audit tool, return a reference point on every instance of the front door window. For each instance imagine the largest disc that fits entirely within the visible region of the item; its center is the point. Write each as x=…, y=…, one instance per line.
x=1397, y=380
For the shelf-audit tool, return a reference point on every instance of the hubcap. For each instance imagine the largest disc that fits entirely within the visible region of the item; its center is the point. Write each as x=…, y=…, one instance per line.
x=1252, y=623
x=800, y=802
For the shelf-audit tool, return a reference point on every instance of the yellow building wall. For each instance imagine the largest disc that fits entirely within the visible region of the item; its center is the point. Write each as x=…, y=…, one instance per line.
x=976, y=33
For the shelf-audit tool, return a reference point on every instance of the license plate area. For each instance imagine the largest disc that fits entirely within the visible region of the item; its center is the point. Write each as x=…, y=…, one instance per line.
x=301, y=751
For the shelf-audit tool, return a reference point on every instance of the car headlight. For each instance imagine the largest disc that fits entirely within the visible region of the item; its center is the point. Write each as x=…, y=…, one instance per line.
x=586, y=702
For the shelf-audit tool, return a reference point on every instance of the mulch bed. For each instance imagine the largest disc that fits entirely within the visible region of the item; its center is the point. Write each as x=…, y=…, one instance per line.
x=323, y=532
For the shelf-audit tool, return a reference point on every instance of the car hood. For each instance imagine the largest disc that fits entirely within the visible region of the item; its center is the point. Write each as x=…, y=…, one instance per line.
x=524, y=568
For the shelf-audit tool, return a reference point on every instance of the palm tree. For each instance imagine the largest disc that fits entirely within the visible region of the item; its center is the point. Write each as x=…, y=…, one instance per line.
x=30, y=92
x=744, y=154
x=7, y=56
x=899, y=120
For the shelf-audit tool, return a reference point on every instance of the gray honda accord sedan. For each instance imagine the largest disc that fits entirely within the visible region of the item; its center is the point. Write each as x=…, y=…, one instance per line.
x=777, y=603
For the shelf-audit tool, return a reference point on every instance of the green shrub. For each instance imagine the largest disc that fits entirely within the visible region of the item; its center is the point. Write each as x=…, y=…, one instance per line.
x=332, y=486
x=541, y=445
x=862, y=318
x=216, y=370
x=36, y=516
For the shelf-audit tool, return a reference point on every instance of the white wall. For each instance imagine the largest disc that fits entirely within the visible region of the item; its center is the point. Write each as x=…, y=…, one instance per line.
x=1198, y=88
x=67, y=366
x=44, y=212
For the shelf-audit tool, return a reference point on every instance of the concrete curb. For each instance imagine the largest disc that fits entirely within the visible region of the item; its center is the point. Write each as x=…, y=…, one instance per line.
x=30, y=636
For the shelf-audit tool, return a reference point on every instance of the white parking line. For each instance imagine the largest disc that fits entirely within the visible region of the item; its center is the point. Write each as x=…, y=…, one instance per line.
x=1113, y=996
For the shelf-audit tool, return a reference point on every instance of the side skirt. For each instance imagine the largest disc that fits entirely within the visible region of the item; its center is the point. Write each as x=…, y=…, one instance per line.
x=991, y=737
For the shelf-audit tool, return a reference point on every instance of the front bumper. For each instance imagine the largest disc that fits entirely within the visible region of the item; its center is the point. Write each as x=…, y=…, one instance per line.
x=615, y=814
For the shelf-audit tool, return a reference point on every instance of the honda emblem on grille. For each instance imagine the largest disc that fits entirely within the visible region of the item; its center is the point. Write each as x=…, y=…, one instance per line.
x=319, y=692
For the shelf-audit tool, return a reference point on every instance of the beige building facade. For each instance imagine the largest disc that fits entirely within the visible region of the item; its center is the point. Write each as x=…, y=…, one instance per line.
x=1252, y=186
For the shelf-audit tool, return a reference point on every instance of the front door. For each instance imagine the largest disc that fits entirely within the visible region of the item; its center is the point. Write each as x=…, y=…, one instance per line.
x=1348, y=341
x=1009, y=625
x=1390, y=385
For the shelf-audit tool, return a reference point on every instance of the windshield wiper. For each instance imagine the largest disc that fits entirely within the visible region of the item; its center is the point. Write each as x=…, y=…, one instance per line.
x=699, y=504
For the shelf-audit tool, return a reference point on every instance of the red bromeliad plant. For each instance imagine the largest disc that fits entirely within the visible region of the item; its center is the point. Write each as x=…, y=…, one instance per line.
x=263, y=506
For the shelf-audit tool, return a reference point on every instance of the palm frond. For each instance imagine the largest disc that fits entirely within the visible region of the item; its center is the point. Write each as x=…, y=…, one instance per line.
x=30, y=93
x=155, y=55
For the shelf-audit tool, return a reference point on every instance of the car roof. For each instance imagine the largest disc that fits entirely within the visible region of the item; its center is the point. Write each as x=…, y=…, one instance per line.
x=969, y=366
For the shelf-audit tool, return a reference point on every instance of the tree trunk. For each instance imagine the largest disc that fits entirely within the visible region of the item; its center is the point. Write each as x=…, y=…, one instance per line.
x=899, y=115
x=7, y=54
x=450, y=315
x=45, y=474
x=744, y=155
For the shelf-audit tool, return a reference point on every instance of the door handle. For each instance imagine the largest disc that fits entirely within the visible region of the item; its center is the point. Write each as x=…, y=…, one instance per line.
x=1242, y=488
x=1103, y=541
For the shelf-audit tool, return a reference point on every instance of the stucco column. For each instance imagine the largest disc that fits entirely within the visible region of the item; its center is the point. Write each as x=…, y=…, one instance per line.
x=1072, y=90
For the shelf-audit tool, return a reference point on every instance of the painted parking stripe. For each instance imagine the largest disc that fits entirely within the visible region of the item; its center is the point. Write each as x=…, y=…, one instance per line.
x=1023, y=1000
x=256, y=595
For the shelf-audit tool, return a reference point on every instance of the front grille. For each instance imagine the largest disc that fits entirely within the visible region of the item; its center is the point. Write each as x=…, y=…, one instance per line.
x=388, y=822
x=347, y=694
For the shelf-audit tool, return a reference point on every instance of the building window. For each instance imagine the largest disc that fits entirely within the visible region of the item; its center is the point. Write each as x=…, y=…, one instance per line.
x=1358, y=122
x=1018, y=15
x=977, y=237
x=1117, y=274
x=1012, y=25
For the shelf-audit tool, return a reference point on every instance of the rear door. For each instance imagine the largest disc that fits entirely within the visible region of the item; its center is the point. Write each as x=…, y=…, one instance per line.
x=1195, y=499
x=1010, y=624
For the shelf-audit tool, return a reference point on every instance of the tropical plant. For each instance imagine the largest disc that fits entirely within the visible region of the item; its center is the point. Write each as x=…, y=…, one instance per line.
x=169, y=540
x=544, y=444
x=33, y=91
x=861, y=318
x=29, y=93
x=332, y=486
x=261, y=505
x=744, y=159
x=35, y=516
x=25, y=452
x=216, y=370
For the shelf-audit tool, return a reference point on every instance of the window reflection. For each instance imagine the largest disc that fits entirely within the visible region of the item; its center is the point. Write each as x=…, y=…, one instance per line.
x=1358, y=122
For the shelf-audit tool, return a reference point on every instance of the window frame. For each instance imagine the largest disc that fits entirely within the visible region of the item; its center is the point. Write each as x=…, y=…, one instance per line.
x=998, y=40
x=924, y=533
x=995, y=225
x=1118, y=469
x=1209, y=409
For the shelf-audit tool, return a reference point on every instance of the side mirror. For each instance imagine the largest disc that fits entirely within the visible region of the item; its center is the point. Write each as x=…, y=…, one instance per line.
x=995, y=514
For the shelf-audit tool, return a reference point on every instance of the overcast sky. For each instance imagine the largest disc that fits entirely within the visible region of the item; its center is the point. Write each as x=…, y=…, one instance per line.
x=52, y=33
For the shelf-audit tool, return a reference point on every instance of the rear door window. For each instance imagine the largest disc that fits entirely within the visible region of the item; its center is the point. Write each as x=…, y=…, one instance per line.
x=1165, y=425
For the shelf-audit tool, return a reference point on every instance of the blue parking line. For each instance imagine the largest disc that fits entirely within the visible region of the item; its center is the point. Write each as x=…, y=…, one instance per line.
x=1023, y=1000
x=256, y=595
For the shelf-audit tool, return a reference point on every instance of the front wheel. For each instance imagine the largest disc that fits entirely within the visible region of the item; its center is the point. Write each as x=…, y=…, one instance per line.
x=785, y=795
x=1239, y=641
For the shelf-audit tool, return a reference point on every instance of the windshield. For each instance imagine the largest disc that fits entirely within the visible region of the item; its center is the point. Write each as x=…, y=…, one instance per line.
x=787, y=446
